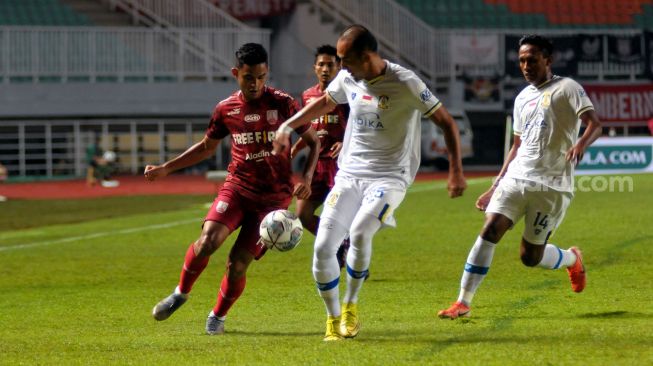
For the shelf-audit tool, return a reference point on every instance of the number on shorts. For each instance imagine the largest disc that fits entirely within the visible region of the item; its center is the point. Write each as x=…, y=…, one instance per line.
x=543, y=221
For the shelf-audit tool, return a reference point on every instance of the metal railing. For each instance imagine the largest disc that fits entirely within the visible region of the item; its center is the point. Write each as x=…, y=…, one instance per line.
x=43, y=148
x=401, y=35
x=177, y=13
x=63, y=54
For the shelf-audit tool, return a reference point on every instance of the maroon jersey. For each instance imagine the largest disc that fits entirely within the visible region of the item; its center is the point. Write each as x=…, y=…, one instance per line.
x=258, y=174
x=330, y=127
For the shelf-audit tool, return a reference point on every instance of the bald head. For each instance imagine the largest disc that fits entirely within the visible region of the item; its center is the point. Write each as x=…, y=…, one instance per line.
x=359, y=38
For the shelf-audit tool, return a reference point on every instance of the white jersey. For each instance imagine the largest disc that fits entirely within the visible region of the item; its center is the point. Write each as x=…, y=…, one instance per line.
x=546, y=118
x=382, y=138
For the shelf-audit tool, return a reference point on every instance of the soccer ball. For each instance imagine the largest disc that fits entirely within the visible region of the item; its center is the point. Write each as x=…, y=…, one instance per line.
x=281, y=230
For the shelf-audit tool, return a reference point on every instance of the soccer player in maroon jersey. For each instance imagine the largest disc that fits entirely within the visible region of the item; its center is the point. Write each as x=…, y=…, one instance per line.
x=330, y=130
x=257, y=183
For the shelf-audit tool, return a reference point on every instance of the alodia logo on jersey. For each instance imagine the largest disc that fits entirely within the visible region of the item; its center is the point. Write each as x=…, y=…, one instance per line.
x=252, y=118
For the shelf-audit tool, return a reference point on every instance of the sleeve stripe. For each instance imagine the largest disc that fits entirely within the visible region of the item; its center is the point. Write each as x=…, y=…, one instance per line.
x=433, y=109
x=587, y=108
x=332, y=98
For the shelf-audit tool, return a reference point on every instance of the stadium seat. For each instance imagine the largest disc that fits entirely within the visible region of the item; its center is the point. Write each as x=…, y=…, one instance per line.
x=39, y=12
x=536, y=14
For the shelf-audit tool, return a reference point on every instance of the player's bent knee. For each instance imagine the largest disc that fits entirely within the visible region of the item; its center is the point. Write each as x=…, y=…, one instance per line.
x=329, y=236
x=530, y=260
x=206, y=245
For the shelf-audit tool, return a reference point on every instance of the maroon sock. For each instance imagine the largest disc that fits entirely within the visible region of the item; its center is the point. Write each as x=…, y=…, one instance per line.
x=230, y=291
x=193, y=267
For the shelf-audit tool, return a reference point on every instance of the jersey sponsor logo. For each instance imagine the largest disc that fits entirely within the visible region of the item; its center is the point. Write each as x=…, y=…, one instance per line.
x=384, y=102
x=233, y=112
x=222, y=206
x=257, y=137
x=257, y=155
x=272, y=116
x=425, y=95
x=370, y=121
x=252, y=118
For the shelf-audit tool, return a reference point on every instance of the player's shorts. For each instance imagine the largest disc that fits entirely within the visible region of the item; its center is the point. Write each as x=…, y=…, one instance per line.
x=349, y=196
x=542, y=208
x=323, y=179
x=234, y=210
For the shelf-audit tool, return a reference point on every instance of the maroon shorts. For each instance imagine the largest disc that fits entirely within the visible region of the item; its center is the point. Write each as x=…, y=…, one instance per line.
x=234, y=210
x=323, y=179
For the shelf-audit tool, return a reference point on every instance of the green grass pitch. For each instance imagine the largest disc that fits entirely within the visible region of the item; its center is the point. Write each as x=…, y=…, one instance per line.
x=78, y=281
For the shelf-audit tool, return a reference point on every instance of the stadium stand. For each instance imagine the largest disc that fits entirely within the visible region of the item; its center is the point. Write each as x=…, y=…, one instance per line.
x=40, y=12
x=513, y=14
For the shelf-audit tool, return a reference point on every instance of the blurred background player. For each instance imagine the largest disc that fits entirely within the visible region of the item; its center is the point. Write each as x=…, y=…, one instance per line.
x=99, y=165
x=536, y=180
x=377, y=163
x=330, y=130
x=257, y=182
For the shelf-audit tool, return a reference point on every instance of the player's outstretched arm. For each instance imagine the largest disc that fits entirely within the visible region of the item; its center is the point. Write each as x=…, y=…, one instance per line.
x=191, y=156
x=457, y=183
x=592, y=132
x=484, y=199
x=316, y=108
x=303, y=188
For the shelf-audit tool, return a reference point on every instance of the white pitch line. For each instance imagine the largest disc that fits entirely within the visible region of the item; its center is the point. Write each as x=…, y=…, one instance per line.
x=97, y=235
x=415, y=189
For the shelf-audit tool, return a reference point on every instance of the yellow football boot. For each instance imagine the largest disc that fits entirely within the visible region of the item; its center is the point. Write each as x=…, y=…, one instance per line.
x=332, y=329
x=350, y=325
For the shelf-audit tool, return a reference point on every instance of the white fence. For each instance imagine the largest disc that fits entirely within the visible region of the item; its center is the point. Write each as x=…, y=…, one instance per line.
x=58, y=148
x=119, y=53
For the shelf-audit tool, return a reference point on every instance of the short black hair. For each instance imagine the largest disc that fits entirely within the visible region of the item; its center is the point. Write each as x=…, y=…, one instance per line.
x=326, y=49
x=361, y=38
x=542, y=43
x=251, y=54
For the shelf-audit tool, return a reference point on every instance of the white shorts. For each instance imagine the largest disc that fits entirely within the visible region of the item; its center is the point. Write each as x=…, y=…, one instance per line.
x=543, y=209
x=349, y=196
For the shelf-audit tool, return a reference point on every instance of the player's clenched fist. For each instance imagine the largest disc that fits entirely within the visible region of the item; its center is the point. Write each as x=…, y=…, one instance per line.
x=153, y=172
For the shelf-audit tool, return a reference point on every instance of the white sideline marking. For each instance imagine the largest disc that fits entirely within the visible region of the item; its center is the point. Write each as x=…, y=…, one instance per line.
x=414, y=189
x=98, y=235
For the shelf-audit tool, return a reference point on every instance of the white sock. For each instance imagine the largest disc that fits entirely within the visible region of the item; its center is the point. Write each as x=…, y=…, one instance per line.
x=555, y=257
x=325, y=265
x=476, y=268
x=360, y=254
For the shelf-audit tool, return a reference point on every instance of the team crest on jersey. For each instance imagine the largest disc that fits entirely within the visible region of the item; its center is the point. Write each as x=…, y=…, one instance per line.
x=546, y=100
x=233, y=112
x=383, y=102
x=425, y=95
x=221, y=207
x=332, y=199
x=353, y=96
x=252, y=117
x=272, y=116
